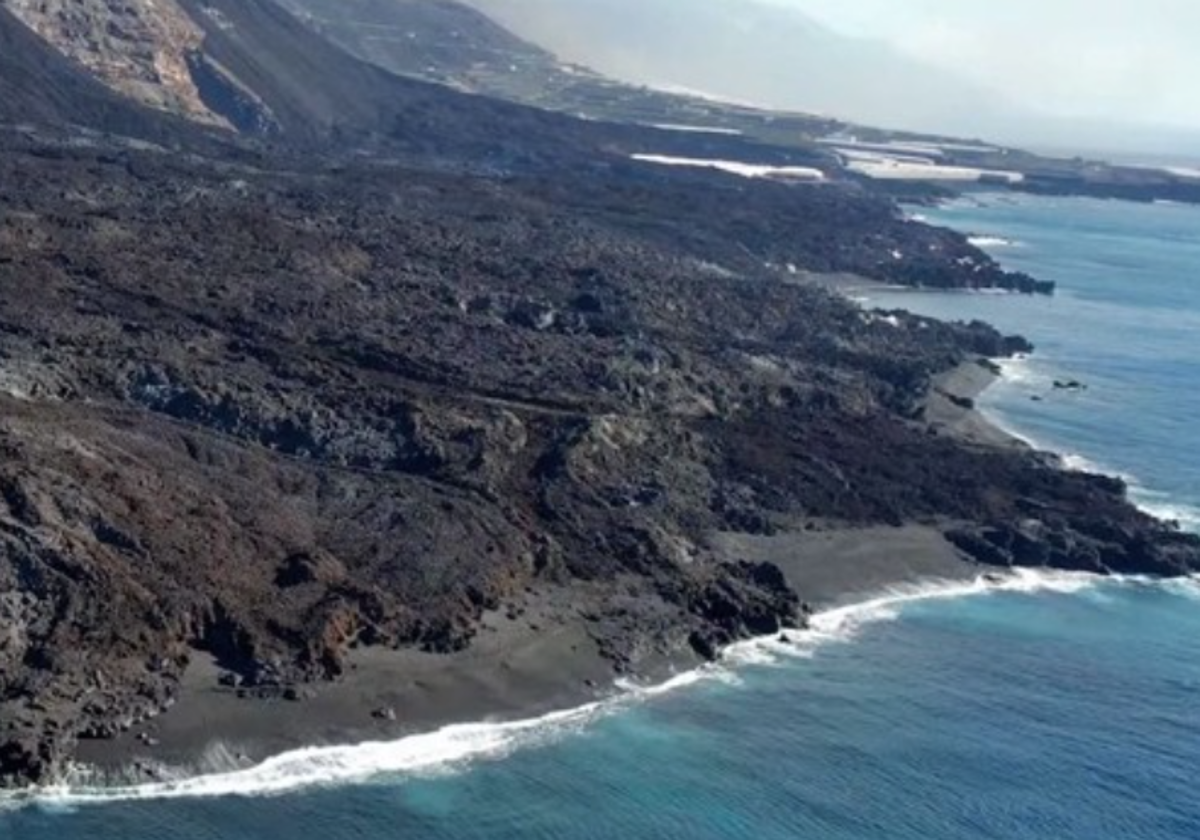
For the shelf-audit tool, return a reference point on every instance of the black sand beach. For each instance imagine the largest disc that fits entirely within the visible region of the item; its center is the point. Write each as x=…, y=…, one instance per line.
x=535, y=655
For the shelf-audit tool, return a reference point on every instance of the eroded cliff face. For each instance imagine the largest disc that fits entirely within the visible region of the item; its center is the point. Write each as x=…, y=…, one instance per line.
x=140, y=48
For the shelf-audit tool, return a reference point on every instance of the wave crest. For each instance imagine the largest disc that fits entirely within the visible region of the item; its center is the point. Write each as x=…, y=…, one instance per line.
x=984, y=241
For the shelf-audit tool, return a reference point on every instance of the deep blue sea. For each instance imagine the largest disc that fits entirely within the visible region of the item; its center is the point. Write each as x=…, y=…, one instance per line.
x=1053, y=707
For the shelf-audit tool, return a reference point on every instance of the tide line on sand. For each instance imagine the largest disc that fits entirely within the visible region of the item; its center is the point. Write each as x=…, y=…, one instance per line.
x=454, y=746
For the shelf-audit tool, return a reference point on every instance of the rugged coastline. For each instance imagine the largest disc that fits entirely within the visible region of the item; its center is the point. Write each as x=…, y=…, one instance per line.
x=462, y=413
x=511, y=674
x=648, y=427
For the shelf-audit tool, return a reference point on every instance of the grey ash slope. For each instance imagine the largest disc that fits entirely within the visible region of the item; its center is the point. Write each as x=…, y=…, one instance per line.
x=296, y=86
x=761, y=52
x=455, y=44
x=275, y=78
x=290, y=82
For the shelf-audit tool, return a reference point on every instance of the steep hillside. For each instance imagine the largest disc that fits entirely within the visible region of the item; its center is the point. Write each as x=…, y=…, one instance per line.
x=38, y=85
x=137, y=47
x=753, y=51
x=440, y=40
x=452, y=43
x=251, y=66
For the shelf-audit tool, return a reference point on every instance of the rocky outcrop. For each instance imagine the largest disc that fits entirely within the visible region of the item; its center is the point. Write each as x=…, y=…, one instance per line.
x=41, y=87
x=140, y=48
x=1098, y=546
x=748, y=600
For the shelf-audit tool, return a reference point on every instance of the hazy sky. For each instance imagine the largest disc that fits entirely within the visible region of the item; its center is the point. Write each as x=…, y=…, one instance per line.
x=1136, y=59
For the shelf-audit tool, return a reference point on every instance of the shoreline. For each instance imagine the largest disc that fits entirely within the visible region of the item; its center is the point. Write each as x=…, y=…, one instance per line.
x=951, y=406
x=315, y=766
x=541, y=669
x=516, y=670
x=529, y=659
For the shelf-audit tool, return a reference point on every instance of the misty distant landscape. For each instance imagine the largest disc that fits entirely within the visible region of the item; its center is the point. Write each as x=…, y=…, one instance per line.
x=772, y=55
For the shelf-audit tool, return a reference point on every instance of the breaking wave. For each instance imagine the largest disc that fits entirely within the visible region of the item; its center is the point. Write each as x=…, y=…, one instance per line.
x=1021, y=373
x=454, y=747
x=986, y=242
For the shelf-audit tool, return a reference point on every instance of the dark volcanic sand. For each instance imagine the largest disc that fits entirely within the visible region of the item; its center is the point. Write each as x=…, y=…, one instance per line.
x=513, y=671
x=540, y=661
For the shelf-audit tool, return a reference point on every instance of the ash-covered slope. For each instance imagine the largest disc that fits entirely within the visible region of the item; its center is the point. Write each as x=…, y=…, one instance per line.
x=767, y=53
x=138, y=48
x=273, y=76
x=267, y=74
x=251, y=66
x=455, y=44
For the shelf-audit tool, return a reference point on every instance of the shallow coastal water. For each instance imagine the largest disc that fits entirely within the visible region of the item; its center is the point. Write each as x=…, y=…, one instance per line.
x=1061, y=710
x=1055, y=707
x=1125, y=323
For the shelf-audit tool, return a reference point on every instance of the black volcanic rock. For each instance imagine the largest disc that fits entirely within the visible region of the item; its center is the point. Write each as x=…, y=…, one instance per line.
x=270, y=413
x=270, y=407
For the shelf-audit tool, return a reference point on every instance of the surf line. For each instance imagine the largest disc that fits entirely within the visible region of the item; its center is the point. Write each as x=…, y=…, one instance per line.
x=456, y=746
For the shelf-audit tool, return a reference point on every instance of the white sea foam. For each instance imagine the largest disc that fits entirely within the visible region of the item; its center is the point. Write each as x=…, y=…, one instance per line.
x=329, y=766
x=992, y=242
x=1074, y=462
x=846, y=622
x=1187, y=587
x=1021, y=373
x=1019, y=370
x=456, y=746
x=320, y=767
x=1164, y=507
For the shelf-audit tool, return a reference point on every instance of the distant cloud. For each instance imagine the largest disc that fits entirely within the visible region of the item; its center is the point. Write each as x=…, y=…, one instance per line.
x=1119, y=59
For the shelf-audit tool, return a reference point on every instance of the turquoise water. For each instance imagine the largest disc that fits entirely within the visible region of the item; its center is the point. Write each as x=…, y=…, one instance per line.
x=1025, y=714
x=1056, y=707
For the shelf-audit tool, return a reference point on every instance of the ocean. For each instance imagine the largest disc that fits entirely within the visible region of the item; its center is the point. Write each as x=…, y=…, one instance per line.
x=1125, y=323
x=1054, y=706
